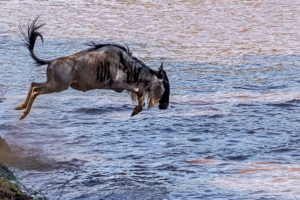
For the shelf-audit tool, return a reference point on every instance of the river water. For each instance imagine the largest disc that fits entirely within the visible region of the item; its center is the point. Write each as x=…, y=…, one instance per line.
x=232, y=130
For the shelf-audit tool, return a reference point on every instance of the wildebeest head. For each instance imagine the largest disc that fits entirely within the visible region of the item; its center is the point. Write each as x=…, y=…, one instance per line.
x=164, y=99
x=160, y=90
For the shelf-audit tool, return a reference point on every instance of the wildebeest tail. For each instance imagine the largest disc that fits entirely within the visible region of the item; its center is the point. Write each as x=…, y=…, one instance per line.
x=30, y=39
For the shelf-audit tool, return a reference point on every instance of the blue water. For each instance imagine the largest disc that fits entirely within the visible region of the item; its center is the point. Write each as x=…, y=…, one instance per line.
x=232, y=130
x=223, y=118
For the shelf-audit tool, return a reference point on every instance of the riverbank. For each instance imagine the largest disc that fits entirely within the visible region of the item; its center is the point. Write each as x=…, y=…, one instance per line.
x=10, y=188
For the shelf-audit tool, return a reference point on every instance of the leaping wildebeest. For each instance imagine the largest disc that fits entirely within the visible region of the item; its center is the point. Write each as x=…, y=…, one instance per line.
x=102, y=66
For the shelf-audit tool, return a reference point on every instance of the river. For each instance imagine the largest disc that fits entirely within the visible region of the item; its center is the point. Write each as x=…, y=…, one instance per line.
x=232, y=130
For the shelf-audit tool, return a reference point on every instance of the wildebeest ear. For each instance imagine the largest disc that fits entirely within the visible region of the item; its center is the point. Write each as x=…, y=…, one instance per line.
x=160, y=73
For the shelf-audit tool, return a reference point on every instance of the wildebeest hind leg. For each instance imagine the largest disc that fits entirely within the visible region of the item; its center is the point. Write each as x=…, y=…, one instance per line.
x=45, y=88
x=24, y=105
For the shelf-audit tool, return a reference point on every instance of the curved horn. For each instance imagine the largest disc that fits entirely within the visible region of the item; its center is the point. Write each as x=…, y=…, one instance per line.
x=160, y=73
x=161, y=67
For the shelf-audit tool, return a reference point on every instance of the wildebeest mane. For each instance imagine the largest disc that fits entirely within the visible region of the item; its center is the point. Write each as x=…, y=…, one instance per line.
x=95, y=46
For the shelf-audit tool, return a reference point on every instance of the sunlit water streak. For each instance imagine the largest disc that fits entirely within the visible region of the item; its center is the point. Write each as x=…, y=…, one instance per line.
x=232, y=128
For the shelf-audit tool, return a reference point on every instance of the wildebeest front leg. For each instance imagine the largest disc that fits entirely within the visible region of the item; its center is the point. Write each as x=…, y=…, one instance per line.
x=139, y=108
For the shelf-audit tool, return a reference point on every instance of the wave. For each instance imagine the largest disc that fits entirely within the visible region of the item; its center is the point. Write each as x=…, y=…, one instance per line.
x=237, y=97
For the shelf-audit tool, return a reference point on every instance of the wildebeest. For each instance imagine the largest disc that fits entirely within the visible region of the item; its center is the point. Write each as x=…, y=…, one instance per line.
x=102, y=66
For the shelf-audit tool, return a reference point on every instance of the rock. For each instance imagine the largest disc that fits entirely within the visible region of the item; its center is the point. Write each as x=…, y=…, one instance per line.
x=9, y=189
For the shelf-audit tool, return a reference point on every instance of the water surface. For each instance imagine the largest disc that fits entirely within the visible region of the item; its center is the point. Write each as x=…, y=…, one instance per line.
x=232, y=128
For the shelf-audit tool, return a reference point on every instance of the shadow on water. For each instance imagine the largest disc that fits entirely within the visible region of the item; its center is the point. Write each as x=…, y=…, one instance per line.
x=105, y=109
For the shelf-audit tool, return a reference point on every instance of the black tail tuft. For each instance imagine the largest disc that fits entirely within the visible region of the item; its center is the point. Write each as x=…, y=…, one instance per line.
x=29, y=40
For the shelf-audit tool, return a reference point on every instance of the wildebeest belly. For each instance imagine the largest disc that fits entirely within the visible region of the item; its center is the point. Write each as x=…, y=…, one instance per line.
x=85, y=86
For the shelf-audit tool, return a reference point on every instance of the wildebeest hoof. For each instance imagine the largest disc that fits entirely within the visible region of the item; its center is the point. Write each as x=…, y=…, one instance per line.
x=23, y=116
x=20, y=107
x=136, y=111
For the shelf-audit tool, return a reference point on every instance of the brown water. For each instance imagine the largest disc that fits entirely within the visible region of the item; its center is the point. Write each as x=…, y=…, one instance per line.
x=232, y=129
x=184, y=30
